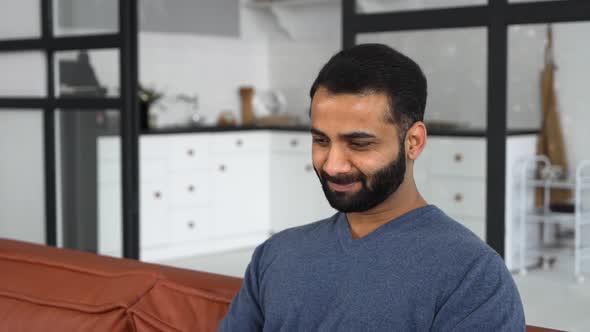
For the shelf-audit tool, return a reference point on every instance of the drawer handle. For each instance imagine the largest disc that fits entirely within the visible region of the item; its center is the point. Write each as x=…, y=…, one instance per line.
x=190, y=152
x=458, y=197
x=222, y=168
x=294, y=143
x=157, y=194
x=239, y=142
x=308, y=168
x=191, y=224
x=191, y=188
x=458, y=157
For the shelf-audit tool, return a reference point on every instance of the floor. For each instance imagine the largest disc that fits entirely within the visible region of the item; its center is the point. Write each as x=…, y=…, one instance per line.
x=551, y=297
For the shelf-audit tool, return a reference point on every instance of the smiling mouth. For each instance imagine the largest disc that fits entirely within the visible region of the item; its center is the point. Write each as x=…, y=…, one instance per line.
x=342, y=187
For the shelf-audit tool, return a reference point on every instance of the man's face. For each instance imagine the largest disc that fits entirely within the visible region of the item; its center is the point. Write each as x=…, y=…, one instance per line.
x=356, y=153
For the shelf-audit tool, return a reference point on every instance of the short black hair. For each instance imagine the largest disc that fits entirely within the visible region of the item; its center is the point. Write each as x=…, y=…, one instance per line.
x=377, y=68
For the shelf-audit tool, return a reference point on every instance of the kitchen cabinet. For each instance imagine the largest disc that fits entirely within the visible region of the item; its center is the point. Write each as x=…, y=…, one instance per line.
x=210, y=192
x=241, y=194
x=294, y=178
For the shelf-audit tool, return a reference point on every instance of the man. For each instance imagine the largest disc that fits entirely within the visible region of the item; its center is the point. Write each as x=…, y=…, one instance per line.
x=387, y=261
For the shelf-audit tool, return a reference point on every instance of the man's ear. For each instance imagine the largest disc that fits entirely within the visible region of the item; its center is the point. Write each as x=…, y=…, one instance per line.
x=416, y=137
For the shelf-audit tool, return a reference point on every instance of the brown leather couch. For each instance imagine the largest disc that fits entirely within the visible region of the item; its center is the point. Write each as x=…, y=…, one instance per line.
x=49, y=289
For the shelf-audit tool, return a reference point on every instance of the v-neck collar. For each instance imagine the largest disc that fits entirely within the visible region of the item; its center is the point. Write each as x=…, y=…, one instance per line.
x=350, y=245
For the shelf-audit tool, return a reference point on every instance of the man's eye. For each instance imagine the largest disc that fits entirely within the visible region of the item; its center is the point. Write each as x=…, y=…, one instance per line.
x=319, y=140
x=360, y=145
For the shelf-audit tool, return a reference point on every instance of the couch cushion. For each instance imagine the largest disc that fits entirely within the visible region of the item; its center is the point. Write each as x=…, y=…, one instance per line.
x=50, y=296
x=173, y=307
x=49, y=289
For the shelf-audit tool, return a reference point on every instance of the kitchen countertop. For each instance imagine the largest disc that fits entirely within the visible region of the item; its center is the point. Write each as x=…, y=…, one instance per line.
x=433, y=131
x=214, y=129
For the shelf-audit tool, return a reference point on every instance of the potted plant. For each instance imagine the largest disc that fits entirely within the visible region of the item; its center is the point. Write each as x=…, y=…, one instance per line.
x=147, y=97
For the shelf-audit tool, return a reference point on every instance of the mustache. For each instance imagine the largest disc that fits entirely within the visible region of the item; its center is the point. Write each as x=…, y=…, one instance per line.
x=342, y=179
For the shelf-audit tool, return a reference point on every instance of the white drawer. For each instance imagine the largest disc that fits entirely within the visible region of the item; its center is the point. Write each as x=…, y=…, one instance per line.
x=190, y=189
x=154, y=203
x=150, y=170
x=458, y=196
x=154, y=147
x=155, y=197
x=291, y=142
x=189, y=152
x=191, y=225
x=464, y=156
x=153, y=170
x=240, y=142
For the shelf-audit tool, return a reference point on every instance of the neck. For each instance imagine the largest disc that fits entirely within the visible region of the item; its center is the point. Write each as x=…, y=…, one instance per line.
x=404, y=200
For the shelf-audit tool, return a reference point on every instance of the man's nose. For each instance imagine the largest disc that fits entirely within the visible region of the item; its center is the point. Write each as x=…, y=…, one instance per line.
x=337, y=162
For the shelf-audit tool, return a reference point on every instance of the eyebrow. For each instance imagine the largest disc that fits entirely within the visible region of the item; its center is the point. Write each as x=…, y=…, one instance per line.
x=348, y=136
x=317, y=132
x=356, y=135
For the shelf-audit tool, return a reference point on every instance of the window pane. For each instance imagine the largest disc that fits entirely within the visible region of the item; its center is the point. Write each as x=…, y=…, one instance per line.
x=454, y=62
x=20, y=19
x=22, y=180
x=87, y=73
x=572, y=75
x=85, y=17
x=379, y=6
x=89, y=180
x=23, y=74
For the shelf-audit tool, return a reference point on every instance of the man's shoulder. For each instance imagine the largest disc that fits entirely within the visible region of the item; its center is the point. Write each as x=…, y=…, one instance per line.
x=451, y=244
x=308, y=231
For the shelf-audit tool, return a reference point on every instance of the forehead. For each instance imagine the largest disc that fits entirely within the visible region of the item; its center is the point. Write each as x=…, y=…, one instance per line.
x=340, y=113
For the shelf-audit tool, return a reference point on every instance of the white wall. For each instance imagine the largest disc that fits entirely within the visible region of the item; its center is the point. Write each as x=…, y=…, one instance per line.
x=294, y=66
x=312, y=35
x=282, y=48
x=212, y=67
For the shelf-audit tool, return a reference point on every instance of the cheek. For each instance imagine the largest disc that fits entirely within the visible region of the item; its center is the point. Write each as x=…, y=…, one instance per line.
x=318, y=157
x=370, y=163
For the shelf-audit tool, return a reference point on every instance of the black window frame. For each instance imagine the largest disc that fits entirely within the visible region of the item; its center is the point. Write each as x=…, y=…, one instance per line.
x=125, y=40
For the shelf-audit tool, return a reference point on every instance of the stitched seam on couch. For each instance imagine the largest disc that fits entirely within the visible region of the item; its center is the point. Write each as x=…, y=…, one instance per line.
x=142, y=295
x=195, y=291
x=74, y=268
x=88, y=308
x=149, y=318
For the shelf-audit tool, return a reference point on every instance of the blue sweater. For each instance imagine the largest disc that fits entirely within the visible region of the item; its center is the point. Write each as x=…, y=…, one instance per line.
x=422, y=271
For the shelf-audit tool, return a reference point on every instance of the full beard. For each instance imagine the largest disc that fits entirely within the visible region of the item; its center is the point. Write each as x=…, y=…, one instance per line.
x=375, y=188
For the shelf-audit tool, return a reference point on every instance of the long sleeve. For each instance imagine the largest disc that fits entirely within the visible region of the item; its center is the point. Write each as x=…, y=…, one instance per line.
x=245, y=312
x=486, y=299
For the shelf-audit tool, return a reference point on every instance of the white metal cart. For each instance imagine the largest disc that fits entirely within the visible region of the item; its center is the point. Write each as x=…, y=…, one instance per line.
x=547, y=180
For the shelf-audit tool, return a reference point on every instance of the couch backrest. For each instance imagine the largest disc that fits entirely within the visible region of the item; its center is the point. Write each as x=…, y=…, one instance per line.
x=49, y=289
